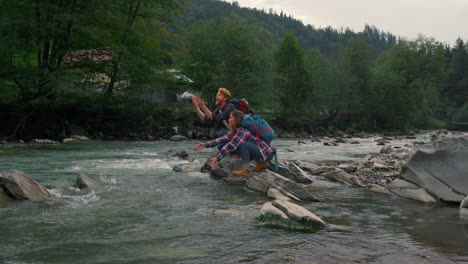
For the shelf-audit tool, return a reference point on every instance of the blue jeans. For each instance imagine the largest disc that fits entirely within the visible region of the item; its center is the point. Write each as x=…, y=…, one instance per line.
x=249, y=151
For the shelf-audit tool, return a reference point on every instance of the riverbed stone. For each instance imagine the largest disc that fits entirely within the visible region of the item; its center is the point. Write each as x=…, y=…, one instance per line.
x=268, y=207
x=420, y=195
x=235, y=180
x=464, y=208
x=188, y=167
x=23, y=187
x=254, y=183
x=44, y=141
x=402, y=184
x=4, y=196
x=440, y=167
x=182, y=154
x=286, y=186
x=378, y=188
x=78, y=137
x=307, y=165
x=301, y=214
x=300, y=175
x=231, y=163
x=68, y=140
x=347, y=167
x=84, y=181
x=342, y=176
x=178, y=138
x=276, y=194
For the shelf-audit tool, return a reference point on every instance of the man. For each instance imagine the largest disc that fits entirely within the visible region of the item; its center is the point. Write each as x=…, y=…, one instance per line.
x=220, y=115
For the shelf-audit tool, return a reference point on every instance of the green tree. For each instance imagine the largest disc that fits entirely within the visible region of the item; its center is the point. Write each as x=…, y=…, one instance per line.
x=405, y=84
x=225, y=53
x=291, y=77
x=352, y=76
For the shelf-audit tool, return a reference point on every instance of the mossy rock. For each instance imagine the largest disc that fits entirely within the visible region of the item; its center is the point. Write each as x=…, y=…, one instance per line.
x=270, y=220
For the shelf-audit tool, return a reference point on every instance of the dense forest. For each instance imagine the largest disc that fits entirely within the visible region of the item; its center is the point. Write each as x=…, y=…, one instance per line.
x=114, y=68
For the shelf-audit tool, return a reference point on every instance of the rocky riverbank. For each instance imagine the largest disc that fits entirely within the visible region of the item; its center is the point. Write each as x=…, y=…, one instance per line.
x=382, y=173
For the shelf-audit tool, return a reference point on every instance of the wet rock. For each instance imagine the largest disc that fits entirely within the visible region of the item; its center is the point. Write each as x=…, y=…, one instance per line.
x=181, y=154
x=178, y=138
x=220, y=173
x=410, y=191
x=84, y=181
x=339, y=140
x=275, y=194
x=4, y=195
x=378, y=189
x=291, y=171
x=188, y=167
x=68, y=140
x=254, y=183
x=440, y=167
x=300, y=214
x=299, y=175
x=322, y=169
x=380, y=166
x=235, y=180
x=78, y=137
x=347, y=167
x=342, y=176
x=285, y=186
x=44, y=141
x=386, y=150
x=402, y=184
x=231, y=163
x=307, y=165
x=269, y=208
x=23, y=187
x=419, y=195
x=464, y=208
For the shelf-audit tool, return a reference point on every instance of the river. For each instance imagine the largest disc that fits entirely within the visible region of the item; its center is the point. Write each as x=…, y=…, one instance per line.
x=151, y=214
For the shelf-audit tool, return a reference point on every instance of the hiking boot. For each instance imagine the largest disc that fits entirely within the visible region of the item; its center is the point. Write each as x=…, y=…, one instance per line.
x=260, y=166
x=243, y=173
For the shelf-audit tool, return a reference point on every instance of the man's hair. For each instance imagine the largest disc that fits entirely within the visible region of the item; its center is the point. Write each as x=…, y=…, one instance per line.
x=225, y=92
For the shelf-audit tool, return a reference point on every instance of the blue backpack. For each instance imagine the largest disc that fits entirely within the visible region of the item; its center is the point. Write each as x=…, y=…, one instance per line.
x=259, y=127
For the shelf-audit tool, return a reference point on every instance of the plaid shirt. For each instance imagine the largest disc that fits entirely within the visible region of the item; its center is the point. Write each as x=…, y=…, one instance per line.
x=240, y=137
x=221, y=114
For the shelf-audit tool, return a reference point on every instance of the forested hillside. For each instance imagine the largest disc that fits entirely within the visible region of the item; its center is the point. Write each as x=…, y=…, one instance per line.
x=114, y=67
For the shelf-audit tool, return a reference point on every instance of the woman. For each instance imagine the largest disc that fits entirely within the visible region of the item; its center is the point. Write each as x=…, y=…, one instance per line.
x=240, y=141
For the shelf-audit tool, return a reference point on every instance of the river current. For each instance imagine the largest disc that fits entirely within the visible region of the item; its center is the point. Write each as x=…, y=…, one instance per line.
x=152, y=214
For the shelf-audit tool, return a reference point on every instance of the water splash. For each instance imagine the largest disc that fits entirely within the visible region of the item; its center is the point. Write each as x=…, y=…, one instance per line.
x=185, y=97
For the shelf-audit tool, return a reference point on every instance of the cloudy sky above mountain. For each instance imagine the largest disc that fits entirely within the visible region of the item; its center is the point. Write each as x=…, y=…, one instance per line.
x=444, y=20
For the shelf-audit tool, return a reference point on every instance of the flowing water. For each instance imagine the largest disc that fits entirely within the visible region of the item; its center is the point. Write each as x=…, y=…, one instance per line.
x=151, y=214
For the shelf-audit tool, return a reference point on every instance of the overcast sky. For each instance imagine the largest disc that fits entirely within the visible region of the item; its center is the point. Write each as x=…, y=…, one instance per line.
x=445, y=20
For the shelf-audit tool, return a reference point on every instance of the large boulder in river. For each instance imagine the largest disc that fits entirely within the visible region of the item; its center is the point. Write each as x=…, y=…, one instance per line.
x=464, y=208
x=188, y=167
x=84, y=181
x=4, y=196
x=441, y=168
x=23, y=187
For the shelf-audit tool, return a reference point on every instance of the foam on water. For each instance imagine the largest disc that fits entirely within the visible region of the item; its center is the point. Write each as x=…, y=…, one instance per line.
x=74, y=197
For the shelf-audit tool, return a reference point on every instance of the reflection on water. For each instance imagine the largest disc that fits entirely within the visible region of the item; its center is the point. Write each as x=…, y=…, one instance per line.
x=152, y=214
